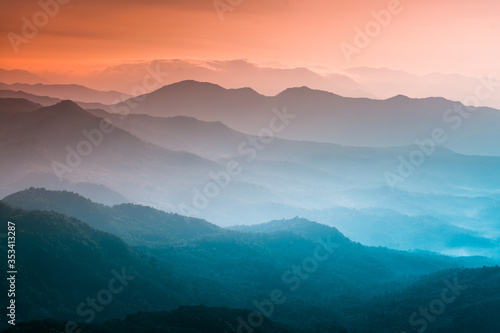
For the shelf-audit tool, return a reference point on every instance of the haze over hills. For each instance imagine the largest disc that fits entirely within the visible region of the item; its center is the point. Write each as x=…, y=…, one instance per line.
x=219, y=142
x=271, y=79
x=215, y=141
x=170, y=162
x=42, y=100
x=384, y=83
x=42, y=148
x=20, y=76
x=377, y=228
x=264, y=166
x=281, y=244
x=174, y=164
x=285, y=179
x=240, y=73
x=138, y=225
x=47, y=101
x=325, y=117
x=67, y=91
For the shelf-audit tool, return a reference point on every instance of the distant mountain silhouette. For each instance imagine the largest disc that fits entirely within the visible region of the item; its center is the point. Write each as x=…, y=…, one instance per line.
x=384, y=82
x=300, y=226
x=450, y=229
x=66, y=91
x=135, y=224
x=47, y=101
x=285, y=179
x=113, y=156
x=230, y=210
x=212, y=140
x=326, y=117
x=67, y=261
x=20, y=76
x=266, y=79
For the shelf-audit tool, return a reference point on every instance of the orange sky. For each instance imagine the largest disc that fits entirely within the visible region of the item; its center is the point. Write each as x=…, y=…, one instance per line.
x=450, y=36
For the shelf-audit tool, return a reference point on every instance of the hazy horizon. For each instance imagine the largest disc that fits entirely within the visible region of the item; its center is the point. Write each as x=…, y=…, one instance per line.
x=307, y=35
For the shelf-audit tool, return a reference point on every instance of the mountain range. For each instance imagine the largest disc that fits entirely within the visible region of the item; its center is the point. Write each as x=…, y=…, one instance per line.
x=46, y=100
x=164, y=275
x=67, y=91
x=325, y=117
x=272, y=78
x=174, y=160
x=196, y=208
x=20, y=76
x=321, y=116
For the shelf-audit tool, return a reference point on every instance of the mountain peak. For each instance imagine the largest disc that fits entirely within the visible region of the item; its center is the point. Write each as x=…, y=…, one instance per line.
x=399, y=97
x=65, y=107
x=304, y=91
x=67, y=103
x=301, y=88
x=192, y=84
x=203, y=87
x=148, y=224
x=41, y=198
x=297, y=225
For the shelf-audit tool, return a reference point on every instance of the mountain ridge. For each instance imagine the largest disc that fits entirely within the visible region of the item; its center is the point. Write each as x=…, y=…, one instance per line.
x=325, y=116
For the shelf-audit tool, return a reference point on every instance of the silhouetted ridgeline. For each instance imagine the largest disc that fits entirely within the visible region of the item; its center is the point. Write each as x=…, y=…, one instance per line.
x=326, y=280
